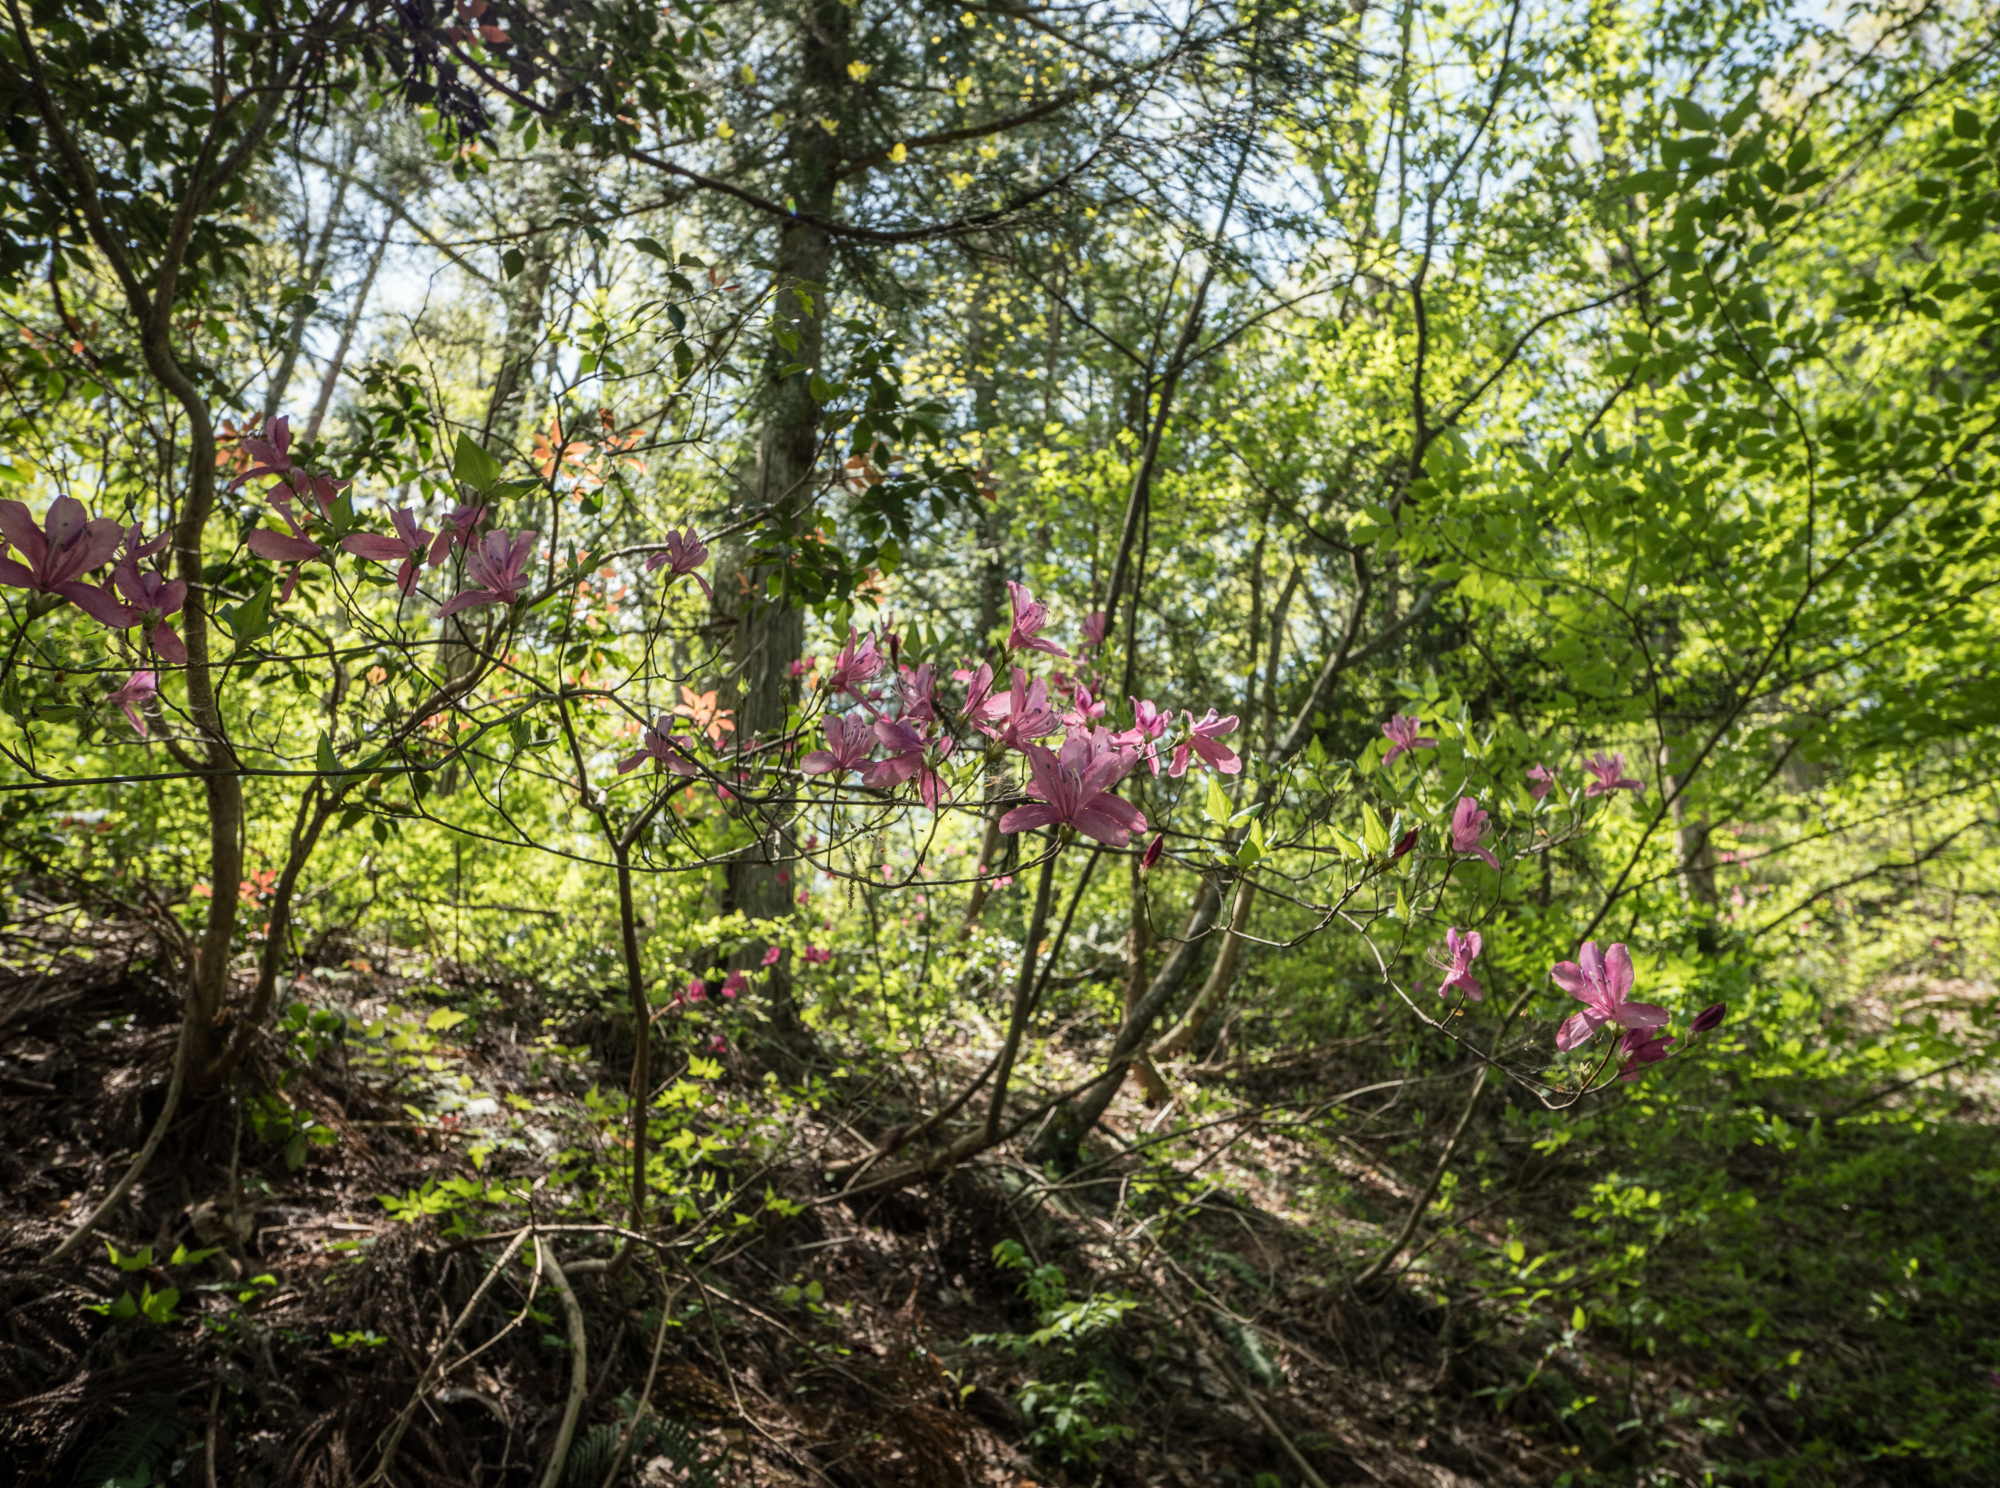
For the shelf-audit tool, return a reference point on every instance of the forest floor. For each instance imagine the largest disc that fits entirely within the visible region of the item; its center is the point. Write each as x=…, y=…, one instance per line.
x=339, y=1270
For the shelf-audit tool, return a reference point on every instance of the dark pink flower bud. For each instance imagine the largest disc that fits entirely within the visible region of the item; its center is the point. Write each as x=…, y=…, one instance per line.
x=1152, y=853
x=1709, y=1017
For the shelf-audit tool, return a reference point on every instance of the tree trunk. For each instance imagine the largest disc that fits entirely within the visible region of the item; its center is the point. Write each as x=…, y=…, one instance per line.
x=315, y=271
x=1193, y=1025
x=764, y=630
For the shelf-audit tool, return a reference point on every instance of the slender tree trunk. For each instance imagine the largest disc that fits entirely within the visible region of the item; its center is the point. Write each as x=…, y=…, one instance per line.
x=1193, y=1025
x=315, y=271
x=764, y=630
x=329, y=382
x=1060, y=1141
x=992, y=529
x=526, y=299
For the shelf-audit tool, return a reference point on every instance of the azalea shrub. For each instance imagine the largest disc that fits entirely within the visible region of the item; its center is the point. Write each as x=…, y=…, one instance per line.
x=477, y=679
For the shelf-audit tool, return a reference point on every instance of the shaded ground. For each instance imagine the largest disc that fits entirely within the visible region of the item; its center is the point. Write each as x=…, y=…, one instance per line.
x=1141, y=1322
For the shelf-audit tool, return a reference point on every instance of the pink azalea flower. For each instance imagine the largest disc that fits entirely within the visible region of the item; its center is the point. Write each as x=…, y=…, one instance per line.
x=859, y=661
x=682, y=553
x=59, y=553
x=1020, y=715
x=296, y=549
x=459, y=525
x=1084, y=709
x=1401, y=732
x=853, y=744
x=665, y=748
x=1029, y=618
x=978, y=688
x=136, y=547
x=918, y=685
x=717, y=1044
x=1461, y=950
x=1602, y=983
x=150, y=598
x=798, y=667
x=272, y=454
x=497, y=567
x=697, y=990
x=1609, y=770
x=817, y=955
x=140, y=688
x=905, y=758
x=1201, y=740
x=735, y=985
x=270, y=451
x=772, y=953
x=1075, y=790
x=1149, y=725
x=1541, y=780
x=411, y=547
x=1641, y=1047
x=1468, y=825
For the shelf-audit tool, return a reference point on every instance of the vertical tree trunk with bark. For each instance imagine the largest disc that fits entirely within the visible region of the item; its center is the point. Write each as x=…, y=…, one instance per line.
x=765, y=630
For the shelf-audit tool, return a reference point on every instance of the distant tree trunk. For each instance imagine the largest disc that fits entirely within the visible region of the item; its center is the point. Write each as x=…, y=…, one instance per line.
x=526, y=300
x=329, y=382
x=992, y=527
x=1695, y=854
x=765, y=631
x=315, y=267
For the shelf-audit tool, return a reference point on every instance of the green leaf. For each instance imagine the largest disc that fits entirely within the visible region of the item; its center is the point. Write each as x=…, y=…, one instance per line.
x=1578, y=1318
x=324, y=757
x=472, y=464
x=131, y=1260
x=1692, y=116
x=1373, y=833
x=252, y=618
x=1215, y=803
x=443, y=1019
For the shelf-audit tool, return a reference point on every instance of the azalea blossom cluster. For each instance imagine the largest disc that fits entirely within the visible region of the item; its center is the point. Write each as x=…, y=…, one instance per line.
x=65, y=556
x=1606, y=770
x=59, y=555
x=1600, y=979
x=892, y=729
x=494, y=563
x=732, y=986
